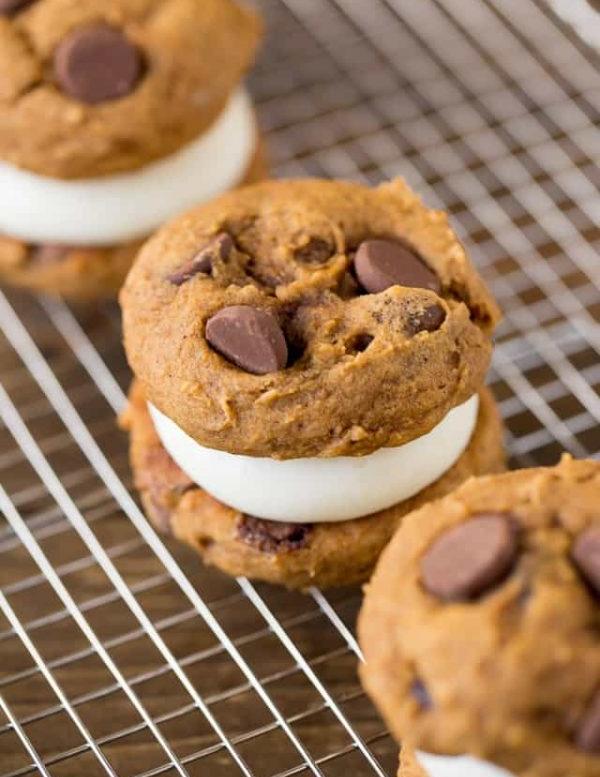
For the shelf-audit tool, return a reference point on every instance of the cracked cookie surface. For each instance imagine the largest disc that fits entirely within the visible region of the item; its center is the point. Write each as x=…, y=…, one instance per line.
x=294, y=555
x=364, y=370
x=174, y=65
x=508, y=669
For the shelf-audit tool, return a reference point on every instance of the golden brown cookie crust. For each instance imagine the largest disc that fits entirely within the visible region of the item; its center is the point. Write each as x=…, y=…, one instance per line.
x=195, y=53
x=511, y=674
x=336, y=398
x=86, y=274
x=333, y=554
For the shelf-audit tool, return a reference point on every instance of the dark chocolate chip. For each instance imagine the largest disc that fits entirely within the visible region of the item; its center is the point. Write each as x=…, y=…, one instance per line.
x=248, y=337
x=419, y=692
x=586, y=555
x=47, y=253
x=273, y=536
x=587, y=737
x=97, y=63
x=469, y=559
x=8, y=7
x=380, y=264
x=428, y=320
x=220, y=246
x=316, y=251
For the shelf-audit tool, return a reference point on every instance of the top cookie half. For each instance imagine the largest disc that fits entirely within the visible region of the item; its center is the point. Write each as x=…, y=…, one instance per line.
x=308, y=318
x=89, y=88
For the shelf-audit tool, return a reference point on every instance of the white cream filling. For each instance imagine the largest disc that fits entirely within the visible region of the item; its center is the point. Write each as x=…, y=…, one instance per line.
x=315, y=490
x=118, y=208
x=459, y=766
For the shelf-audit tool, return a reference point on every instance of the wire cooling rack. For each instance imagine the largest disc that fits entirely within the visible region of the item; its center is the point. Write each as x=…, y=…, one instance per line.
x=121, y=655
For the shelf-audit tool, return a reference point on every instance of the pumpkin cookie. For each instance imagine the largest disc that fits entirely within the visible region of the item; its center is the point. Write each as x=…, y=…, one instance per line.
x=309, y=353
x=114, y=117
x=488, y=603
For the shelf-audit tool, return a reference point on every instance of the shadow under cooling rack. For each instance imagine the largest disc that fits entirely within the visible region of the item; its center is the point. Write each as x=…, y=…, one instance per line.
x=121, y=655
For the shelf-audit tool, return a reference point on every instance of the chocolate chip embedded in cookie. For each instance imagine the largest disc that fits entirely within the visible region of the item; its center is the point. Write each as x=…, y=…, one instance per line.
x=362, y=371
x=429, y=319
x=489, y=601
x=248, y=337
x=380, y=264
x=471, y=558
x=219, y=247
x=97, y=63
x=273, y=536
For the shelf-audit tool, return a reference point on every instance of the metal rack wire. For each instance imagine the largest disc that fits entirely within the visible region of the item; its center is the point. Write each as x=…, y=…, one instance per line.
x=123, y=656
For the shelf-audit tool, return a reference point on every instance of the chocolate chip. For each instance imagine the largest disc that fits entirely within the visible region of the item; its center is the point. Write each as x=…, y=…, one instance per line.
x=220, y=246
x=380, y=264
x=316, y=251
x=97, y=63
x=419, y=692
x=586, y=555
x=587, y=737
x=8, y=7
x=47, y=253
x=273, y=536
x=469, y=559
x=428, y=320
x=248, y=337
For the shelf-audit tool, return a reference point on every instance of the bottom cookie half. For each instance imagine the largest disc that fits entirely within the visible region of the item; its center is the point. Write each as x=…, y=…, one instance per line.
x=78, y=273
x=293, y=555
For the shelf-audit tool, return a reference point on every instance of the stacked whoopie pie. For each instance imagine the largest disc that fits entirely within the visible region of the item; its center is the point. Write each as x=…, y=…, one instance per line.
x=481, y=628
x=310, y=358
x=114, y=116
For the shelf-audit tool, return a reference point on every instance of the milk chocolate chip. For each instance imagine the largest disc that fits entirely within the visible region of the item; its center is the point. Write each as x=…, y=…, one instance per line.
x=273, y=536
x=587, y=737
x=219, y=247
x=380, y=264
x=586, y=555
x=97, y=63
x=428, y=320
x=248, y=337
x=469, y=559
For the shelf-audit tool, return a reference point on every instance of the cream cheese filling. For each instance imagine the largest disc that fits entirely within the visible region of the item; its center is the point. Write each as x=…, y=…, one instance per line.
x=127, y=206
x=321, y=490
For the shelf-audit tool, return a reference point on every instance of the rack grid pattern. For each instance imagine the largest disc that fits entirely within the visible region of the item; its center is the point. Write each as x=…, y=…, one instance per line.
x=120, y=654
